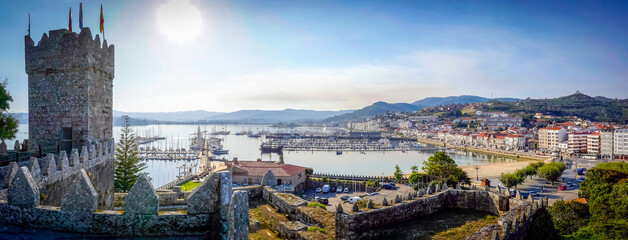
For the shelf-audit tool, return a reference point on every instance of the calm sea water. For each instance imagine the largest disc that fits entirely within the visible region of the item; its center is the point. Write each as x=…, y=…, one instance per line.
x=245, y=148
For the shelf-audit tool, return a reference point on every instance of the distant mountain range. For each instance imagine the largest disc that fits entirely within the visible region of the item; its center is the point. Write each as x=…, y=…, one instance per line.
x=594, y=108
x=600, y=109
x=242, y=116
x=383, y=107
x=435, y=101
x=286, y=115
x=375, y=109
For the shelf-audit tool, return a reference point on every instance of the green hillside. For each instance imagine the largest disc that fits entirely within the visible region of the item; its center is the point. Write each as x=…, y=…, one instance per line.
x=578, y=104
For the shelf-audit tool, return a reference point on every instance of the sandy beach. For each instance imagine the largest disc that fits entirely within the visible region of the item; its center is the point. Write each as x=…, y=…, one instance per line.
x=494, y=170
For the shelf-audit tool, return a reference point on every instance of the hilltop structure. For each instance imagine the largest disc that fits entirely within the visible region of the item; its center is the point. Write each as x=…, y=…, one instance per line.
x=70, y=81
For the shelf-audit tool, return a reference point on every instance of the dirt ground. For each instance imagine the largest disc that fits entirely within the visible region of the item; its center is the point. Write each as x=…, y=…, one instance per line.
x=494, y=170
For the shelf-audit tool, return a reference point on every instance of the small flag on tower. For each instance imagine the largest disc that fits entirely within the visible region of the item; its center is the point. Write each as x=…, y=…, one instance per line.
x=81, y=16
x=102, y=21
x=70, y=23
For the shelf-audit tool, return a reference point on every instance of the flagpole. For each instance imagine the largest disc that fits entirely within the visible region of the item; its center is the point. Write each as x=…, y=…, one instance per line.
x=29, y=24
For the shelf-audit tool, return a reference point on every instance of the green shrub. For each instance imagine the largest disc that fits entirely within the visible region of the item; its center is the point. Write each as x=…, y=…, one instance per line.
x=317, y=204
x=316, y=229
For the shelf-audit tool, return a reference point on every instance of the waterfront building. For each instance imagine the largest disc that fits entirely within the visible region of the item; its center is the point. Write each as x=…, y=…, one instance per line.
x=620, y=143
x=423, y=118
x=577, y=142
x=515, y=141
x=252, y=172
x=550, y=137
x=593, y=143
x=606, y=142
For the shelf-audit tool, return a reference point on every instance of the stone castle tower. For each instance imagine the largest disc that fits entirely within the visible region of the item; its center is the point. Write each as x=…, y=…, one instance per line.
x=70, y=81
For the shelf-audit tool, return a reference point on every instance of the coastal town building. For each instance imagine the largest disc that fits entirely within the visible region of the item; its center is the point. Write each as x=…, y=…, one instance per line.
x=577, y=142
x=606, y=142
x=550, y=137
x=423, y=118
x=252, y=172
x=620, y=143
x=593, y=143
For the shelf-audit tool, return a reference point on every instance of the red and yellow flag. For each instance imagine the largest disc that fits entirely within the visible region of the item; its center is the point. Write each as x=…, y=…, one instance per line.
x=102, y=20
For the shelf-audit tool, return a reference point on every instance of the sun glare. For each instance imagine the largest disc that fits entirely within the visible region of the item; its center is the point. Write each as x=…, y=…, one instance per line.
x=179, y=20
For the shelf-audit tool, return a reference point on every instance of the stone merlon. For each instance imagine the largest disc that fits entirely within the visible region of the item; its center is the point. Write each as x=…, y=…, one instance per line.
x=65, y=50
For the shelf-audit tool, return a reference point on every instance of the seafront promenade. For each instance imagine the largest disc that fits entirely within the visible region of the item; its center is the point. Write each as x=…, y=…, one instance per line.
x=496, y=152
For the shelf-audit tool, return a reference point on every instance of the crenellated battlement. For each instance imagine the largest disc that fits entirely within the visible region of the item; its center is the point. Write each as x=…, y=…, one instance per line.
x=53, y=173
x=70, y=89
x=62, y=50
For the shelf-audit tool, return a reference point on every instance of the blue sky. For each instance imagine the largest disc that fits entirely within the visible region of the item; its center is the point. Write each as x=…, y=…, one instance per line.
x=330, y=55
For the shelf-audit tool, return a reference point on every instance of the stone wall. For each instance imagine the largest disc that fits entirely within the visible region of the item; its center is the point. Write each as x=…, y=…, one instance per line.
x=213, y=210
x=281, y=203
x=363, y=225
x=55, y=173
x=70, y=82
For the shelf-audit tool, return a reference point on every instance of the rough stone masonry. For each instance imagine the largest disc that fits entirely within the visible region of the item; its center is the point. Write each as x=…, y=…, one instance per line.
x=70, y=81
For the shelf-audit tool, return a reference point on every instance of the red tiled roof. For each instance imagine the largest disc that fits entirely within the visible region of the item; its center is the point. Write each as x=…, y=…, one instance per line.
x=552, y=128
x=259, y=168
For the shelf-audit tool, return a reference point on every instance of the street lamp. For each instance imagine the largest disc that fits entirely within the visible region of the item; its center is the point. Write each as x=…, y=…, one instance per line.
x=477, y=172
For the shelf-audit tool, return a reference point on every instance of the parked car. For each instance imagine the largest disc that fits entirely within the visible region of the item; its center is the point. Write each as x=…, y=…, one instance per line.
x=569, y=184
x=318, y=190
x=354, y=199
x=345, y=198
x=339, y=189
x=388, y=186
x=316, y=198
x=391, y=183
x=325, y=188
x=533, y=193
x=323, y=201
x=332, y=190
x=346, y=190
x=513, y=193
x=581, y=179
x=562, y=187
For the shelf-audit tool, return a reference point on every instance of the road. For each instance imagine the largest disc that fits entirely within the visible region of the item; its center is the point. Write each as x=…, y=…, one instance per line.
x=545, y=188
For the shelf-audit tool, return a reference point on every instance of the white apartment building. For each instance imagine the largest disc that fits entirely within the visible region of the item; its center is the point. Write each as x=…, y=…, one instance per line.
x=550, y=137
x=620, y=142
x=606, y=143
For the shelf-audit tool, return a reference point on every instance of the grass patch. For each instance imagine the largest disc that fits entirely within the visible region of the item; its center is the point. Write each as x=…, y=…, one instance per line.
x=467, y=229
x=316, y=204
x=263, y=234
x=190, y=185
x=316, y=229
x=266, y=216
x=290, y=198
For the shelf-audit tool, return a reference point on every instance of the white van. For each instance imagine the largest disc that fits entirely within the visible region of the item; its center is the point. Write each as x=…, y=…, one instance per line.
x=326, y=188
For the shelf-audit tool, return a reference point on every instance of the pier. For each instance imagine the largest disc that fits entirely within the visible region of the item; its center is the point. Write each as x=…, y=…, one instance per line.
x=169, y=154
x=341, y=144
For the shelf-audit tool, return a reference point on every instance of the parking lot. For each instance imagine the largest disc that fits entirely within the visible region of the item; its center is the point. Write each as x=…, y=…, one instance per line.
x=334, y=198
x=545, y=188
